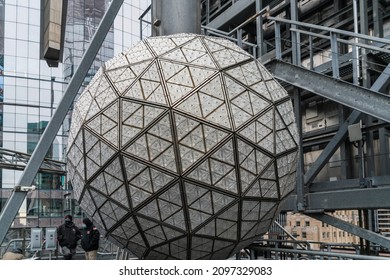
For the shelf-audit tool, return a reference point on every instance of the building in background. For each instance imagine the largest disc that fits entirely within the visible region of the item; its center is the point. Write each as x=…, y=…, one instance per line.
x=320, y=234
x=30, y=91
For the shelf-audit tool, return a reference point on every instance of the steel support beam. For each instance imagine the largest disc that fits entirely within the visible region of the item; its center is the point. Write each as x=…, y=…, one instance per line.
x=300, y=160
x=17, y=197
x=380, y=84
x=367, y=198
x=375, y=181
x=295, y=36
x=355, y=97
x=259, y=30
x=363, y=233
x=377, y=16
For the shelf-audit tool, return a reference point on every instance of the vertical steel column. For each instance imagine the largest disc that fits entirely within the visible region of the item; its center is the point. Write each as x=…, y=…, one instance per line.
x=335, y=55
x=278, y=41
x=207, y=12
x=364, y=30
x=300, y=162
x=17, y=197
x=345, y=153
x=295, y=37
x=384, y=152
x=296, y=60
x=311, y=52
x=259, y=30
x=383, y=141
x=377, y=18
x=239, y=37
x=140, y=28
x=355, y=49
x=175, y=16
x=368, y=214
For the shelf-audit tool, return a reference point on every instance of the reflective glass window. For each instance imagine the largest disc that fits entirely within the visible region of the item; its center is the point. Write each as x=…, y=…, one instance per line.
x=21, y=65
x=34, y=16
x=22, y=31
x=10, y=13
x=10, y=30
x=21, y=95
x=34, y=33
x=10, y=47
x=22, y=48
x=22, y=14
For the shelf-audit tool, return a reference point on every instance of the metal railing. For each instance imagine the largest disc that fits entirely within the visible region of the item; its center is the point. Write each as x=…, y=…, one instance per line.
x=289, y=249
x=309, y=40
x=236, y=35
x=16, y=160
x=335, y=38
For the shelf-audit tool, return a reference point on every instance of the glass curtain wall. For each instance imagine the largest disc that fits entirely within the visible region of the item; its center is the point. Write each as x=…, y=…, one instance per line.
x=30, y=91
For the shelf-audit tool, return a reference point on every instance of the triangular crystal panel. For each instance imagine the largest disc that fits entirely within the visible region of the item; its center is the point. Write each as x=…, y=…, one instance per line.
x=160, y=45
x=138, y=53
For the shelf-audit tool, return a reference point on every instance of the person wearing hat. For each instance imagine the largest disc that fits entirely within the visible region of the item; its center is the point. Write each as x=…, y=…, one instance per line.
x=90, y=239
x=68, y=235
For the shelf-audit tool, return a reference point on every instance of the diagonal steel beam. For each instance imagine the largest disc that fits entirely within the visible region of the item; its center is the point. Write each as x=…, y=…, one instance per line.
x=17, y=197
x=287, y=73
x=380, y=84
x=331, y=148
x=364, y=100
x=363, y=233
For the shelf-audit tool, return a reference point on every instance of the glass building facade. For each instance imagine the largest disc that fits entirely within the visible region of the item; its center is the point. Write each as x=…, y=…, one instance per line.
x=30, y=90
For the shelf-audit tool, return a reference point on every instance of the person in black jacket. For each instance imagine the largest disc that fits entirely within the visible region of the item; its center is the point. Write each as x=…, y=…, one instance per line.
x=68, y=235
x=90, y=239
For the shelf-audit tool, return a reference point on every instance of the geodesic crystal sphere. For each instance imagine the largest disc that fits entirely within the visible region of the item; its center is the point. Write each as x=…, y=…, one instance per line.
x=183, y=147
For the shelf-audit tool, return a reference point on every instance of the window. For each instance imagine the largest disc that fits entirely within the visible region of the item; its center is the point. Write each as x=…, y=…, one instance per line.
x=298, y=223
x=304, y=235
x=307, y=223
